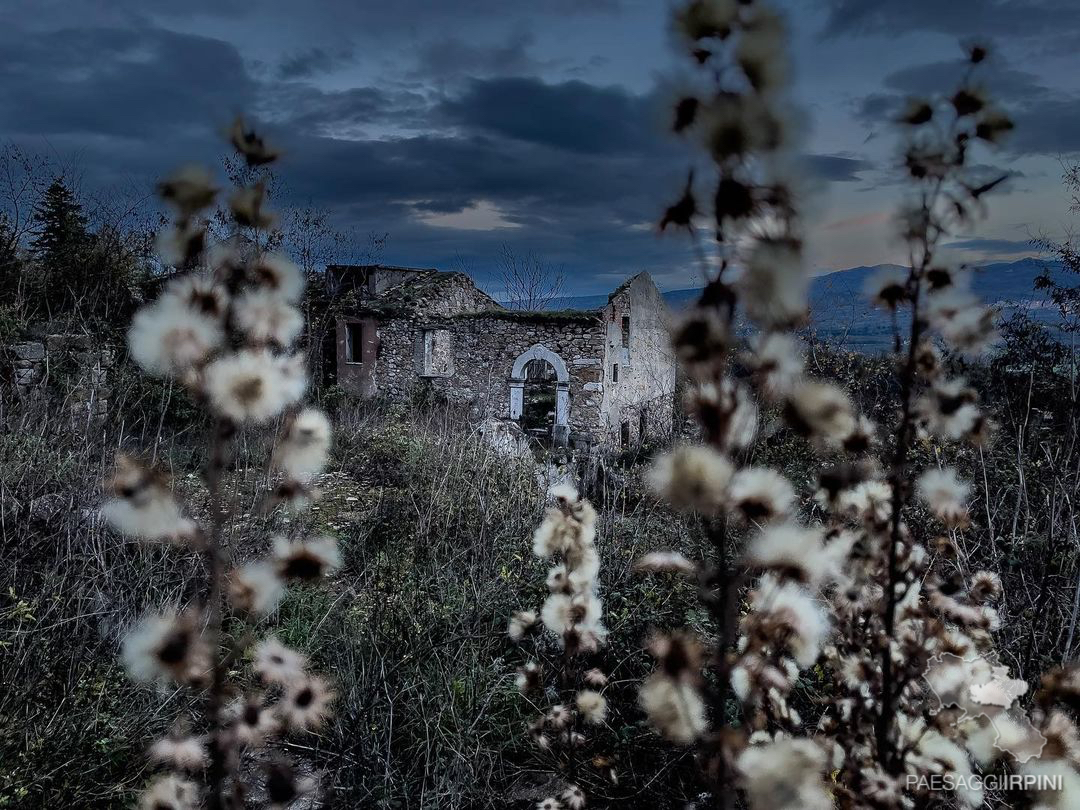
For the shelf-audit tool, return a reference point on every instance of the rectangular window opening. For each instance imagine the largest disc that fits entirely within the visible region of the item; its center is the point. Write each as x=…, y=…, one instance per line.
x=626, y=331
x=354, y=343
x=624, y=434
x=437, y=352
x=614, y=372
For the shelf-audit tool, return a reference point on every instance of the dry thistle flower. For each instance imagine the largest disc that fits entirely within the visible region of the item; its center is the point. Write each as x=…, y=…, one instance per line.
x=306, y=703
x=792, y=551
x=253, y=722
x=785, y=774
x=528, y=678
x=592, y=706
x=946, y=496
x=251, y=145
x=256, y=588
x=167, y=646
x=960, y=317
x=760, y=51
x=170, y=792
x=665, y=561
x=760, y=495
x=700, y=19
x=670, y=696
x=284, y=784
x=675, y=708
x=246, y=205
x=177, y=332
x=278, y=274
x=521, y=623
x=267, y=319
x=306, y=559
x=788, y=611
x=820, y=410
x=275, y=663
x=180, y=244
x=595, y=678
x=699, y=337
x=573, y=797
x=185, y=753
x=775, y=285
x=189, y=189
x=777, y=362
x=692, y=477
x=887, y=288
x=142, y=504
x=727, y=412
x=303, y=450
x=253, y=385
x=985, y=587
x=950, y=409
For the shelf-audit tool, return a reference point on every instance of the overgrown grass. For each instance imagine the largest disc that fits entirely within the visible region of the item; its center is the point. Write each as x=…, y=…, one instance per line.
x=435, y=530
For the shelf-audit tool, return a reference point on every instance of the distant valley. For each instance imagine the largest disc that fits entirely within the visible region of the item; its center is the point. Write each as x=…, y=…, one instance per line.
x=841, y=314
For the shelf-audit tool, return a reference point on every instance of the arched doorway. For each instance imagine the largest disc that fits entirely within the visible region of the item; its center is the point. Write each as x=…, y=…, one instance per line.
x=541, y=370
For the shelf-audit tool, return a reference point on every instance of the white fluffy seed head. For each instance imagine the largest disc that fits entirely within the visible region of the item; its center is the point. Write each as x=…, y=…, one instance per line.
x=592, y=706
x=692, y=477
x=303, y=451
x=168, y=338
x=267, y=318
x=254, y=385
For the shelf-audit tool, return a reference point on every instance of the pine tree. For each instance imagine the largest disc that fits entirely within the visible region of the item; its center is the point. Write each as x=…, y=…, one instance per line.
x=60, y=232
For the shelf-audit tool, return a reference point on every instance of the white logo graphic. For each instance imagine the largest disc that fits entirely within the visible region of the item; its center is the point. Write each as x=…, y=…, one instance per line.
x=984, y=694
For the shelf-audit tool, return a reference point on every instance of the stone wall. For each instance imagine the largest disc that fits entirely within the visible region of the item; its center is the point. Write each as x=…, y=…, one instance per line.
x=480, y=352
x=71, y=364
x=439, y=332
x=641, y=404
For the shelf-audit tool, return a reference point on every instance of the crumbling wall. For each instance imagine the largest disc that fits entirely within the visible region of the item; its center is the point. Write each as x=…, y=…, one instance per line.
x=641, y=404
x=480, y=349
x=70, y=365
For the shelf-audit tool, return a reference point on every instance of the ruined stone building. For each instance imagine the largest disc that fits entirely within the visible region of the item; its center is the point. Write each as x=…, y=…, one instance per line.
x=603, y=377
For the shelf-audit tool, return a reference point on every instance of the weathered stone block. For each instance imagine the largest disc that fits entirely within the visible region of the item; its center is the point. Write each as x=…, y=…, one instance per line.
x=28, y=351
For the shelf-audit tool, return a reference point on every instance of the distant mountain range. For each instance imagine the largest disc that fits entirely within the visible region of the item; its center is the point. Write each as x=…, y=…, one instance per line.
x=841, y=313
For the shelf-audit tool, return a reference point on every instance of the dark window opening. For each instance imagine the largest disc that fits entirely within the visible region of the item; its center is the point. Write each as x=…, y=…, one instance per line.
x=539, y=401
x=625, y=434
x=614, y=372
x=354, y=343
x=626, y=331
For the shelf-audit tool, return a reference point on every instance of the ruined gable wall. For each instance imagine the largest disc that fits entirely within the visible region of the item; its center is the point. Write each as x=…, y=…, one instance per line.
x=646, y=386
x=436, y=295
x=481, y=352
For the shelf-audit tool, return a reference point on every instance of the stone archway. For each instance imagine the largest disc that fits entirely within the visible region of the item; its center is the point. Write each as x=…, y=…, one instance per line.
x=561, y=431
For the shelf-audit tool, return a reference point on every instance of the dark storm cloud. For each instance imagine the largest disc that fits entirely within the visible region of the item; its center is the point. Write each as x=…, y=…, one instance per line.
x=836, y=168
x=450, y=57
x=530, y=182
x=1002, y=246
x=959, y=17
x=127, y=83
x=341, y=113
x=430, y=125
x=313, y=61
x=573, y=115
x=1046, y=118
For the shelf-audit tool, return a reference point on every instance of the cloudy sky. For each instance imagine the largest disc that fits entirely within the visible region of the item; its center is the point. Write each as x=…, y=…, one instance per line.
x=460, y=126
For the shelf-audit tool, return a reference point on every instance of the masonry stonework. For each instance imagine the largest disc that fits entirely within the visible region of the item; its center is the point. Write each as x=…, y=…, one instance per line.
x=437, y=331
x=74, y=360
